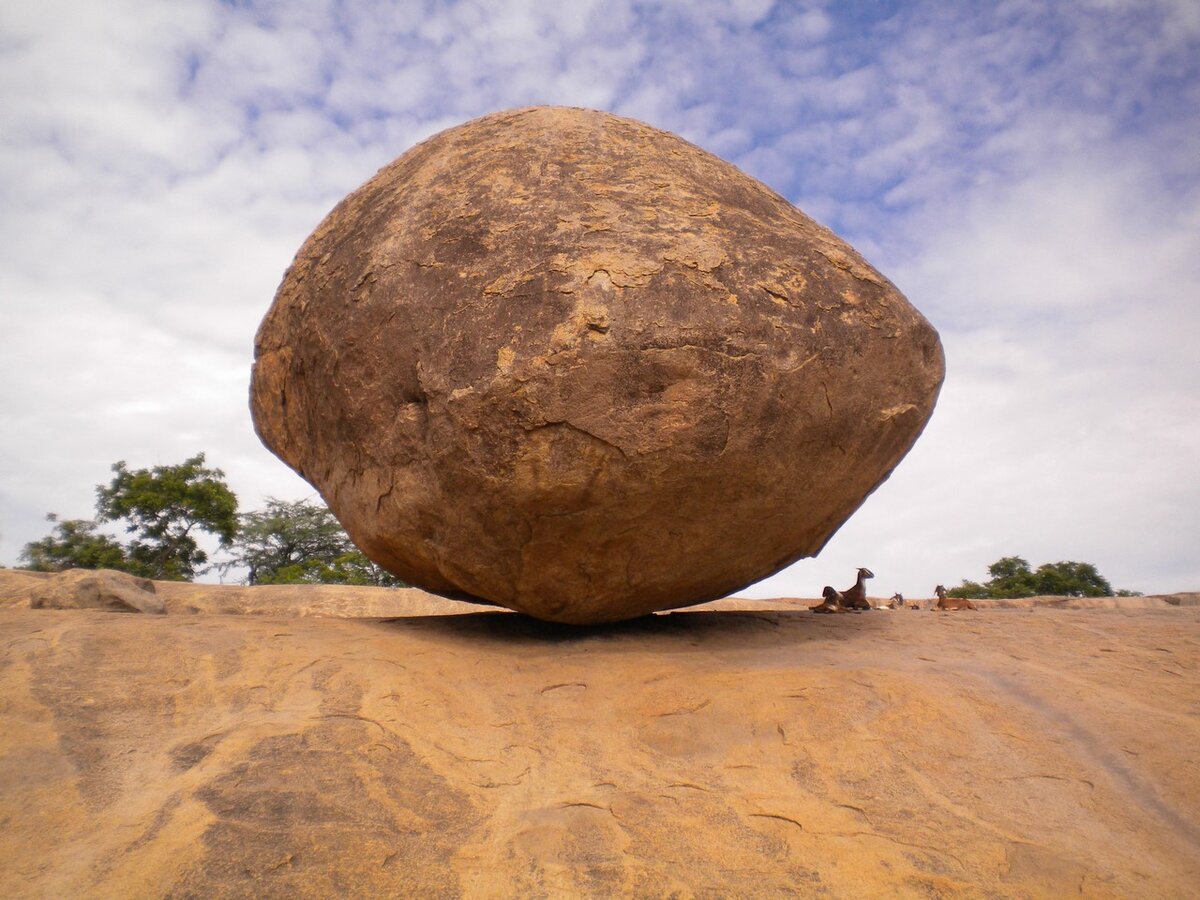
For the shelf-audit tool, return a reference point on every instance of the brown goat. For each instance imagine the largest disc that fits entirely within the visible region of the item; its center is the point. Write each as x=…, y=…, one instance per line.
x=896, y=601
x=856, y=597
x=944, y=602
x=831, y=604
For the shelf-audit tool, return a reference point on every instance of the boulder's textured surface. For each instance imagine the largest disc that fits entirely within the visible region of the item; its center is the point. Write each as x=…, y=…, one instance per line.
x=567, y=363
x=96, y=589
x=1008, y=753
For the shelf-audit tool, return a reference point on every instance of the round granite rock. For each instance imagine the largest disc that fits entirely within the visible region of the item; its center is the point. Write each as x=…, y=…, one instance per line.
x=566, y=363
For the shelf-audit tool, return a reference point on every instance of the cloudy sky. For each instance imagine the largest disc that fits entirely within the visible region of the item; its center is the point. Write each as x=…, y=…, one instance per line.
x=1028, y=173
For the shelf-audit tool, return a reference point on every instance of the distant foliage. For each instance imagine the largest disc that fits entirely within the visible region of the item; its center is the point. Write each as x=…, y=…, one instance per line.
x=301, y=543
x=1013, y=577
x=74, y=544
x=164, y=508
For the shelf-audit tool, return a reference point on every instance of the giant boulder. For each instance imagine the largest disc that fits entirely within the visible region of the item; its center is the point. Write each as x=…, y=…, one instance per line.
x=567, y=363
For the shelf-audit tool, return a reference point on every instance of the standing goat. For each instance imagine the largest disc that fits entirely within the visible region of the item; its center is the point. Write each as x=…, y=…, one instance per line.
x=944, y=602
x=856, y=597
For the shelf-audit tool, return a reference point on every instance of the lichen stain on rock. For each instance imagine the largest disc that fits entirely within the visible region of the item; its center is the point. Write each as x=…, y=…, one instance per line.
x=565, y=362
x=318, y=829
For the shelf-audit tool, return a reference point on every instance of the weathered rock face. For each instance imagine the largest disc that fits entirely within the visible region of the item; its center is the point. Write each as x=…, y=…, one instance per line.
x=96, y=589
x=566, y=363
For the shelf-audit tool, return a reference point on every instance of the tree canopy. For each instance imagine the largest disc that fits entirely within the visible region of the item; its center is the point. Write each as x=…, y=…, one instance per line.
x=73, y=544
x=301, y=543
x=165, y=507
x=1012, y=576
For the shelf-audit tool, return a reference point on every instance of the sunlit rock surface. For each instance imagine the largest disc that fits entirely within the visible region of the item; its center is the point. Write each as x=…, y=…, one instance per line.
x=1007, y=752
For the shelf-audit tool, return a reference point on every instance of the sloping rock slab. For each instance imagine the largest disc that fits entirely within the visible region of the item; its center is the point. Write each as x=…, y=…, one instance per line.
x=334, y=600
x=96, y=589
x=16, y=585
x=85, y=589
x=1016, y=753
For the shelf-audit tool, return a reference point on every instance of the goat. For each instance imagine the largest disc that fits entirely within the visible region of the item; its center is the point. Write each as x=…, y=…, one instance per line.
x=896, y=602
x=944, y=602
x=856, y=597
x=831, y=604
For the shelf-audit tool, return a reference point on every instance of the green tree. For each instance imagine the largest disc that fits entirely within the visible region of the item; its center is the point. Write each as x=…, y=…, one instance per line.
x=301, y=543
x=1013, y=577
x=972, y=590
x=1010, y=568
x=165, y=507
x=1079, y=579
x=74, y=544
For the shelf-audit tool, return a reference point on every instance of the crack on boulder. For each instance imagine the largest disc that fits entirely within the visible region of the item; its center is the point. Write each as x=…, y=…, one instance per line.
x=563, y=423
x=777, y=817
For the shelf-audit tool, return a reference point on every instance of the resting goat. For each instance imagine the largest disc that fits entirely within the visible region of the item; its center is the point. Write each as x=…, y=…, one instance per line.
x=944, y=602
x=831, y=604
x=897, y=601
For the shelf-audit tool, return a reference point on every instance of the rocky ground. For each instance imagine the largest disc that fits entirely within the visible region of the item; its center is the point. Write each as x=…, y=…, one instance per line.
x=365, y=742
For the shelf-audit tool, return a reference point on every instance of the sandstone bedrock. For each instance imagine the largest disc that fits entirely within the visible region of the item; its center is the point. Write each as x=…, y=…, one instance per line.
x=270, y=742
x=569, y=364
